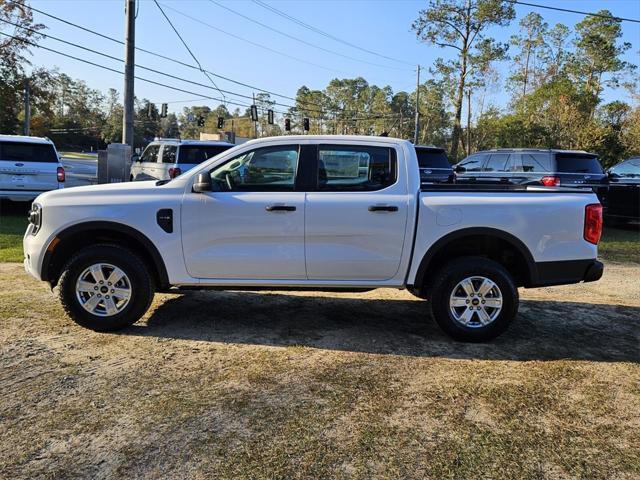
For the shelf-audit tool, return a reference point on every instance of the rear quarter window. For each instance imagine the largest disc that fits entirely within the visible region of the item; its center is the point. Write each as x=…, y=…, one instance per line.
x=27, y=152
x=578, y=163
x=432, y=159
x=196, y=154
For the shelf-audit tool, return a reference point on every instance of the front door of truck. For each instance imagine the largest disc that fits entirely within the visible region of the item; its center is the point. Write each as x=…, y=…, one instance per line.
x=356, y=215
x=252, y=225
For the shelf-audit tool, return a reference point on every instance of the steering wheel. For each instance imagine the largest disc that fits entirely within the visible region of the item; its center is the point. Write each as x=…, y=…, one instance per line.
x=229, y=180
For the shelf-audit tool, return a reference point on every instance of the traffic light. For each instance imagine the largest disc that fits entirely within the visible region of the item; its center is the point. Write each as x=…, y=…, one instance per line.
x=270, y=116
x=201, y=121
x=305, y=124
x=163, y=110
x=254, y=113
x=287, y=124
x=220, y=122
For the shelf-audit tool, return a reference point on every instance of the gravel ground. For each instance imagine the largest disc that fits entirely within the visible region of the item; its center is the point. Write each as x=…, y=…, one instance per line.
x=319, y=385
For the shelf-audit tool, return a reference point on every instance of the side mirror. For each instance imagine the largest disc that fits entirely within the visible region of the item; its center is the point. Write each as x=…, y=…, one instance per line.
x=459, y=169
x=135, y=158
x=203, y=183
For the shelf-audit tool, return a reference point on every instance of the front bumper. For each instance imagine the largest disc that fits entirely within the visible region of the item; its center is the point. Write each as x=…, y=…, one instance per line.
x=566, y=272
x=33, y=248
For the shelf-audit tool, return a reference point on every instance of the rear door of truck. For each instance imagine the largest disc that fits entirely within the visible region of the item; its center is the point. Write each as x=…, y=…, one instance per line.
x=356, y=214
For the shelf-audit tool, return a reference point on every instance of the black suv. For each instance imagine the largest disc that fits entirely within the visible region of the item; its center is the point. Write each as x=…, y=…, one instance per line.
x=623, y=199
x=529, y=166
x=434, y=165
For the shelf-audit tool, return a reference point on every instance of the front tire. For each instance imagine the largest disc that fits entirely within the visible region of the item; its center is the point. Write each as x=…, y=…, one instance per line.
x=473, y=299
x=105, y=287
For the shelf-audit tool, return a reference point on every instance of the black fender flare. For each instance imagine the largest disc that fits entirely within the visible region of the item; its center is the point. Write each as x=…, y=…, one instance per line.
x=476, y=231
x=141, y=238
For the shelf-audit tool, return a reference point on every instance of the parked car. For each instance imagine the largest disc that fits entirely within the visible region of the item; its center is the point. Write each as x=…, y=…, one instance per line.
x=28, y=167
x=315, y=212
x=517, y=166
x=434, y=165
x=167, y=158
x=623, y=199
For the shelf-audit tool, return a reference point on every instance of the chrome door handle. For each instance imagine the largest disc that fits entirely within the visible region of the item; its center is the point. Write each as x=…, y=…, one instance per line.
x=280, y=208
x=383, y=208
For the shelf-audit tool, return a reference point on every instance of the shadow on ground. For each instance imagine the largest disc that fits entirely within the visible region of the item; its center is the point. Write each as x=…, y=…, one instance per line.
x=543, y=330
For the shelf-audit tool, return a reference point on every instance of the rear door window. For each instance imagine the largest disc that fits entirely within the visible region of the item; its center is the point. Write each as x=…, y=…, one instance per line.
x=199, y=153
x=169, y=154
x=27, y=152
x=150, y=154
x=578, y=163
x=497, y=162
x=348, y=168
x=432, y=159
x=534, y=162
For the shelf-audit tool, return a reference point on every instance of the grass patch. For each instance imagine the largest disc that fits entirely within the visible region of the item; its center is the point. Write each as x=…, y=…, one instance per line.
x=13, y=223
x=618, y=245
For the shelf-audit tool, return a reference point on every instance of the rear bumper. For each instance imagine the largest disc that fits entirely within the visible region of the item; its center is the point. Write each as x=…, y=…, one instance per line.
x=566, y=272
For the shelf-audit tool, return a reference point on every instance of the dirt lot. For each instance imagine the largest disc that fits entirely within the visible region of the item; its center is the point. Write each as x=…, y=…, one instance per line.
x=293, y=385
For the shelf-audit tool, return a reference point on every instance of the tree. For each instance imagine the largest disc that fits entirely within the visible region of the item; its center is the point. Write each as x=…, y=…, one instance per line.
x=13, y=49
x=530, y=44
x=459, y=24
x=598, y=53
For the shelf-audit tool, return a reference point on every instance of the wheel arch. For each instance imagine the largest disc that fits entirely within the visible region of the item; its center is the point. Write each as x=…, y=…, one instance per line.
x=492, y=243
x=88, y=233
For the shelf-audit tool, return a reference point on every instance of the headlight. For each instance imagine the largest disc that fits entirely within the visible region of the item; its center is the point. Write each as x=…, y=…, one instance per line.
x=35, y=217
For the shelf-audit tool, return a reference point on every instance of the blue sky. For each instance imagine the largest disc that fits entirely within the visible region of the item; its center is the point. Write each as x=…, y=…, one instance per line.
x=383, y=26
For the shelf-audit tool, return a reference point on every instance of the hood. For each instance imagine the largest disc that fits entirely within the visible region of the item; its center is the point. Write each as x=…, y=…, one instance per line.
x=104, y=193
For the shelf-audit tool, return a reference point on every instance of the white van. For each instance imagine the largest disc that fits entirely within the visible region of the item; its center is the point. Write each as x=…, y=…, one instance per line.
x=28, y=167
x=166, y=158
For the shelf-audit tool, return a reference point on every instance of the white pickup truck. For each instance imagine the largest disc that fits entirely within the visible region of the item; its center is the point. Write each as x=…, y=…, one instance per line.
x=315, y=212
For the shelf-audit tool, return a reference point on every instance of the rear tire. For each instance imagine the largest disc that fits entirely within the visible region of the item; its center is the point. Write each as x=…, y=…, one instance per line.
x=105, y=287
x=473, y=299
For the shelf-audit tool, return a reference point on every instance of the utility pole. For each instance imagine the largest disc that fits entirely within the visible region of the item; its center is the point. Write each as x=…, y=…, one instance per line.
x=417, y=125
x=129, y=61
x=27, y=107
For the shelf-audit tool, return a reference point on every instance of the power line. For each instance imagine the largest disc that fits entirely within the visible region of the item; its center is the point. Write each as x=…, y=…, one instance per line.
x=164, y=57
x=590, y=14
x=299, y=39
x=164, y=85
x=117, y=59
x=238, y=37
x=187, y=47
x=104, y=67
x=328, y=35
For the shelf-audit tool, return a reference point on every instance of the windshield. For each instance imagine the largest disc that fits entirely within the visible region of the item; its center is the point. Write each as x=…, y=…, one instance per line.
x=432, y=159
x=578, y=163
x=199, y=153
x=27, y=152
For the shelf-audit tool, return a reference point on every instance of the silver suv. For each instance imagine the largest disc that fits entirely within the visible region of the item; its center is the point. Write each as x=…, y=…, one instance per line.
x=28, y=167
x=166, y=158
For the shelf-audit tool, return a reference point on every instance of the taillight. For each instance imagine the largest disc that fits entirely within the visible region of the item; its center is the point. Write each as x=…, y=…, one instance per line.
x=174, y=172
x=593, y=223
x=60, y=174
x=550, y=181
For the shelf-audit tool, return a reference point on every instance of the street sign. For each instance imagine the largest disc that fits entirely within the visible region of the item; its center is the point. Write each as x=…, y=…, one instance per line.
x=191, y=117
